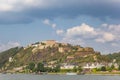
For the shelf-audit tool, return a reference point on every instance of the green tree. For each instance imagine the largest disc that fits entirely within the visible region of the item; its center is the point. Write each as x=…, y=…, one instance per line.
x=47, y=69
x=57, y=68
x=75, y=69
x=79, y=69
x=109, y=69
x=31, y=66
x=112, y=67
x=94, y=70
x=103, y=68
x=119, y=67
x=40, y=67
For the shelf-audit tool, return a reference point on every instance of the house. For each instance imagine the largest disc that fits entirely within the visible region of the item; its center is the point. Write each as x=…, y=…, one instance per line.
x=50, y=65
x=115, y=65
x=61, y=49
x=10, y=59
x=19, y=68
x=93, y=65
x=67, y=66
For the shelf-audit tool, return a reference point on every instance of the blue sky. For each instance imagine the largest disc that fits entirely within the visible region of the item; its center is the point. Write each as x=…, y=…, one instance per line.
x=82, y=22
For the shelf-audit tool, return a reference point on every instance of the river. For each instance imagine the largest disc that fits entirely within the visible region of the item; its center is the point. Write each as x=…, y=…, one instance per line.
x=57, y=77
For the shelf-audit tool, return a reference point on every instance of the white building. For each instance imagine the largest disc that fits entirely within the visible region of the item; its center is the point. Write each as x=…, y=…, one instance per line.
x=10, y=59
x=93, y=65
x=19, y=68
x=115, y=65
x=67, y=66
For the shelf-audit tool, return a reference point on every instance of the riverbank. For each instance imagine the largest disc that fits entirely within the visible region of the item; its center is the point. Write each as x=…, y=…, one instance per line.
x=91, y=73
x=104, y=73
x=64, y=73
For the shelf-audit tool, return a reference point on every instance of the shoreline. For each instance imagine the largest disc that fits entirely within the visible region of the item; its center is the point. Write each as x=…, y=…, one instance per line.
x=86, y=74
x=58, y=73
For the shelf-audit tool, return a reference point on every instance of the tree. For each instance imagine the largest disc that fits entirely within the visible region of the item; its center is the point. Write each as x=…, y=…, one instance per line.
x=48, y=69
x=57, y=68
x=112, y=66
x=31, y=66
x=119, y=67
x=103, y=68
x=94, y=70
x=79, y=69
x=40, y=67
x=109, y=69
x=75, y=69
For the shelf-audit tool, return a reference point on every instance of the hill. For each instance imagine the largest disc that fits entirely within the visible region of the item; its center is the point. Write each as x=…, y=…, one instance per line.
x=115, y=56
x=4, y=56
x=50, y=52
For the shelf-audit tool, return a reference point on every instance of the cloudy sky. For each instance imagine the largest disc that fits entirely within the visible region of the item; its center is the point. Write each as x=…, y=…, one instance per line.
x=94, y=23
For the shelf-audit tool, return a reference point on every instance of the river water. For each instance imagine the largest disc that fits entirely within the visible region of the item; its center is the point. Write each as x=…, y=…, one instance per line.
x=57, y=77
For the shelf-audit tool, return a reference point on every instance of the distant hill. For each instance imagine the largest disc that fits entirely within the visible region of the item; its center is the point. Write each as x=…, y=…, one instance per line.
x=4, y=56
x=50, y=51
x=115, y=56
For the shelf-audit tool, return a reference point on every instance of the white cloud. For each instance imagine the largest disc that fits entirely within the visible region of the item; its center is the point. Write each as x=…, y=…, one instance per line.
x=8, y=5
x=47, y=22
x=9, y=45
x=59, y=32
x=105, y=37
x=114, y=28
x=109, y=33
x=45, y=4
x=5, y=7
x=82, y=30
x=103, y=34
x=100, y=40
x=53, y=25
x=17, y=5
x=21, y=11
x=108, y=36
x=86, y=35
x=104, y=25
x=12, y=5
x=77, y=34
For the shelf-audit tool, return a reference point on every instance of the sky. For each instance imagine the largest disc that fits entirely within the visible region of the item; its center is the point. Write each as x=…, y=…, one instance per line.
x=88, y=23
